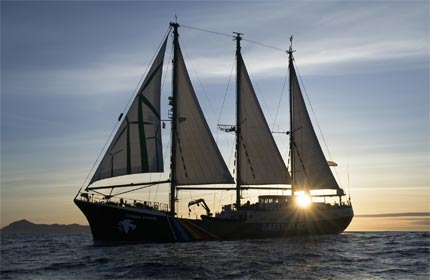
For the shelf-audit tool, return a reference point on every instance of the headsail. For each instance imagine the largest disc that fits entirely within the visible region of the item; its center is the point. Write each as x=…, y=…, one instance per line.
x=260, y=160
x=137, y=147
x=311, y=170
x=198, y=159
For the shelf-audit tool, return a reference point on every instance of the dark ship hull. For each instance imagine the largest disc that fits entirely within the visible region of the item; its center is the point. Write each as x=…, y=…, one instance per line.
x=126, y=223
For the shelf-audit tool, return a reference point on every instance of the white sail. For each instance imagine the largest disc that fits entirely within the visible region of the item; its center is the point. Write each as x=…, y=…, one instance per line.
x=260, y=160
x=137, y=147
x=311, y=170
x=198, y=159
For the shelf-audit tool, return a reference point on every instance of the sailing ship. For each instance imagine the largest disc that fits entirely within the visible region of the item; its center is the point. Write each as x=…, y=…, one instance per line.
x=197, y=164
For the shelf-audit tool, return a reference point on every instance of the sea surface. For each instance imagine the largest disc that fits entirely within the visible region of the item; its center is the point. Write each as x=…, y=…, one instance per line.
x=351, y=255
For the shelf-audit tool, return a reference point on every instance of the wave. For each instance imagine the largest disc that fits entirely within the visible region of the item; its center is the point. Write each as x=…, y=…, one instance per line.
x=351, y=255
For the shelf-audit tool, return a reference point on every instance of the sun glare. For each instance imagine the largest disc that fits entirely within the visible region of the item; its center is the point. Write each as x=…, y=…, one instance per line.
x=303, y=200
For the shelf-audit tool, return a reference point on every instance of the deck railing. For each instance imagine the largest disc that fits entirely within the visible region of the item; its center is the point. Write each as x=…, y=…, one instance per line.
x=113, y=200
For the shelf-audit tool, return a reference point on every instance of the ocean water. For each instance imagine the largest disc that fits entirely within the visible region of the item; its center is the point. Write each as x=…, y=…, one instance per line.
x=351, y=255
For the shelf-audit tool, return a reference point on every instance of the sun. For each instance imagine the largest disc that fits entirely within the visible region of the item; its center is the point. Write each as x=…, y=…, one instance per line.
x=303, y=200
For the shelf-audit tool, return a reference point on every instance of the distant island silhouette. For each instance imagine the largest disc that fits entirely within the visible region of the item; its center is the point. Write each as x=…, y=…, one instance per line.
x=24, y=226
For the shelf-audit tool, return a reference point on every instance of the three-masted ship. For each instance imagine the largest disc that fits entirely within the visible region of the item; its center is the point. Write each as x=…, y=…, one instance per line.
x=196, y=163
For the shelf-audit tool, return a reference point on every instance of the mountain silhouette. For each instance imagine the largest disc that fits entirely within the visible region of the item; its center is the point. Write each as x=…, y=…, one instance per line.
x=24, y=226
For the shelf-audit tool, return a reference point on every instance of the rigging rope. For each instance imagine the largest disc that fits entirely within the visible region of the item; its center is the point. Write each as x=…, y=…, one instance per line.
x=280, y=100
x=193, y=69
x=231, y=36
x=226, y=91
x=225, y=95
x=135, y=189
x=260, y=96
x=264, y=45
x=207, y=31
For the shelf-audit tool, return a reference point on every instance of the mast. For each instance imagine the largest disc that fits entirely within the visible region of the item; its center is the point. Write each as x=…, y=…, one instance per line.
x=173, y=103
x=238, y=38
x=290, y=65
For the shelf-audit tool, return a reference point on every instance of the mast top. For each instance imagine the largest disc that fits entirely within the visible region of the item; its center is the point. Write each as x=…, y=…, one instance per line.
x=238, y=35
x=290, y=50
x=238, y=38
x=174, y=24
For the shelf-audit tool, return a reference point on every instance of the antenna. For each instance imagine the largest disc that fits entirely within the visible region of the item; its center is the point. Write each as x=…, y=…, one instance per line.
x=290, y=50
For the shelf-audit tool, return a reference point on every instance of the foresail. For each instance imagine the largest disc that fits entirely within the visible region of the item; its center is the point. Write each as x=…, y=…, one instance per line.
x=198, y=159
x=137, y=147
x=311, y=170
x=260, y=160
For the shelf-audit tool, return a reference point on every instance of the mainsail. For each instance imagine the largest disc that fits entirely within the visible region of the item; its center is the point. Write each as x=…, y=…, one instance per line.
x=137, y=147
x=310, y=168
x=260, y=160
x=198, y=159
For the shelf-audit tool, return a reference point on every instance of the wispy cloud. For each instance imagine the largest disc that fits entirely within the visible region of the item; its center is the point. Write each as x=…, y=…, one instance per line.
x=407, y=214
x=99, y=79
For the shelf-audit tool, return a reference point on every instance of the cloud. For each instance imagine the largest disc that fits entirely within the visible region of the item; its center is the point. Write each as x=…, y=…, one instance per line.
x=98, y=79
x=406, y=214
x=340, y=38
x=407, y=221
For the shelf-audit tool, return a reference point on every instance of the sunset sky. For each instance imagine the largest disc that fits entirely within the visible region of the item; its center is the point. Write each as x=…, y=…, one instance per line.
x=68, y=69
